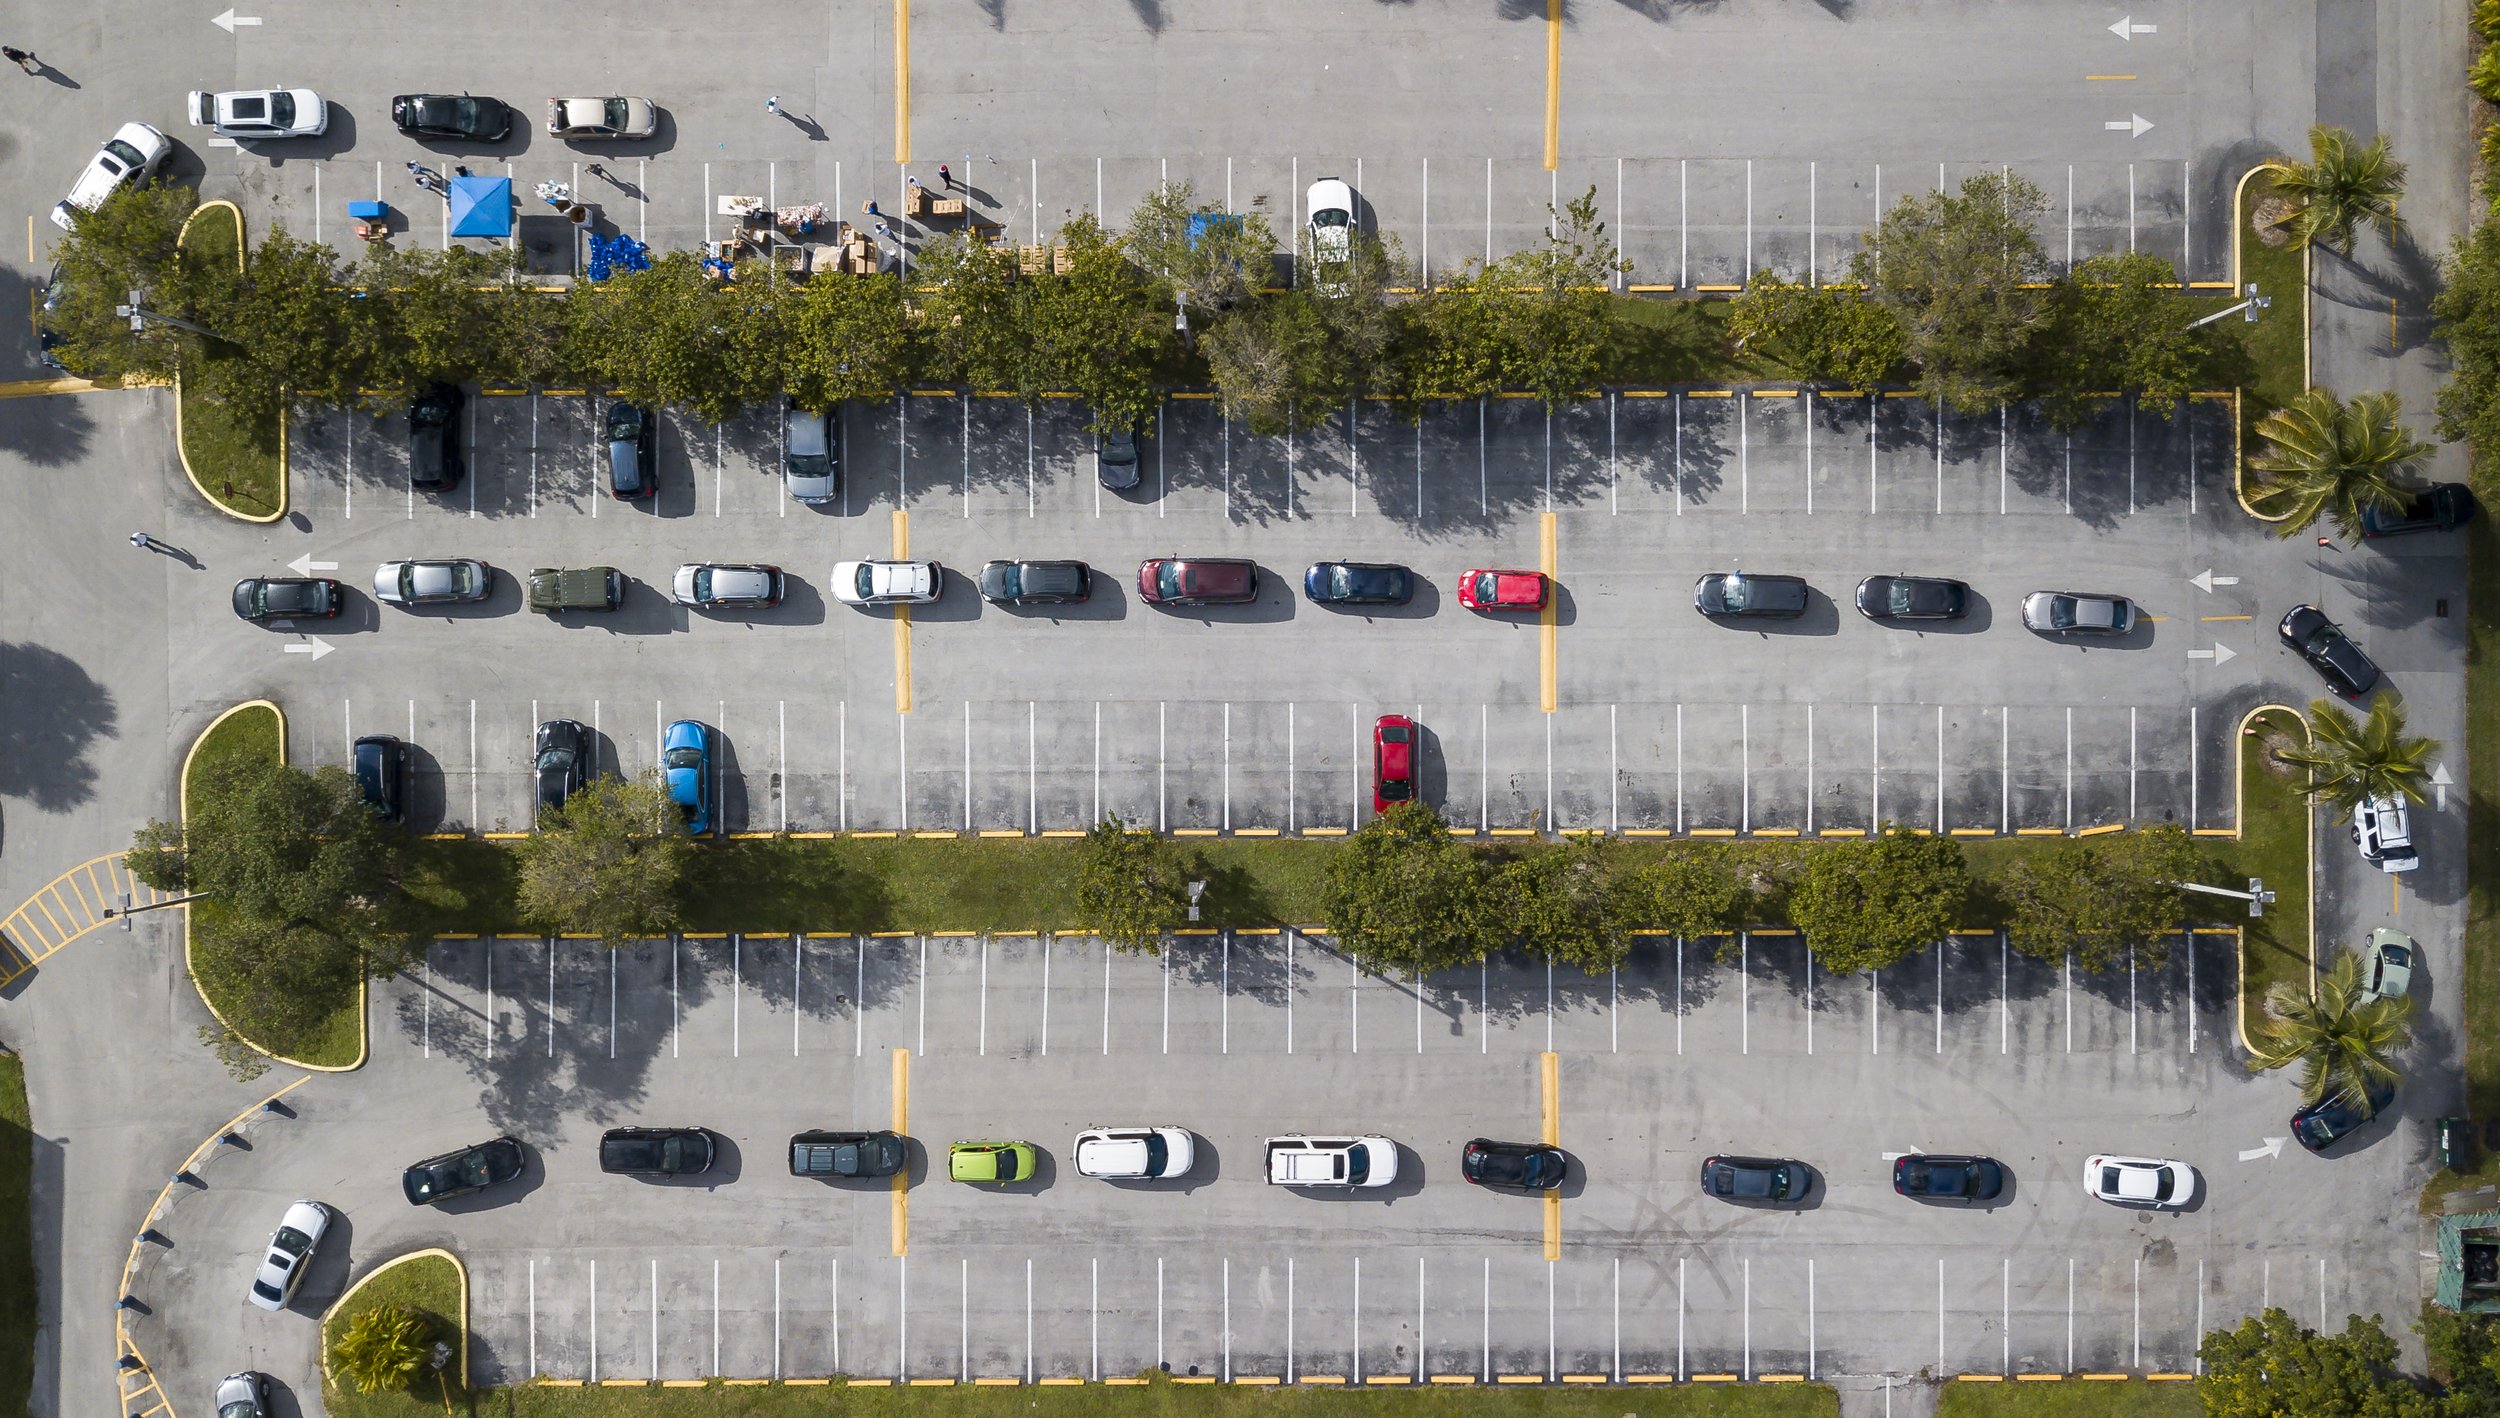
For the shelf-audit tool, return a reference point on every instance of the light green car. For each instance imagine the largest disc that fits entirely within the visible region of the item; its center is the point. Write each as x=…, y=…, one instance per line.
x=991, y=1163
x=2387, y=971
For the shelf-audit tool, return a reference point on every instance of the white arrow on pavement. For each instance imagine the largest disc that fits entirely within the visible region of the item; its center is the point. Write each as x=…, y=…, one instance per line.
x=305, y=566
x=2221, y=655
x=2135, y=125
x=223, y=143
x=1897, y=1156
x=314, y=646
x=2206, y=580
x=230, y=19
x=2440, y=784
x=2128, y=29
x=2273, y=1148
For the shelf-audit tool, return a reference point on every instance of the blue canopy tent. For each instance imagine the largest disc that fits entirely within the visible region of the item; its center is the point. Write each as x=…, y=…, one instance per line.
x=481, y=206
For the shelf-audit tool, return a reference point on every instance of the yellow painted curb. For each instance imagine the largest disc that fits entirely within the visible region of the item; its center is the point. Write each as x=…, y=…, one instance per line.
x=338, y=1305
x=2239, y=283
x=364, y=1042
x=241, y=244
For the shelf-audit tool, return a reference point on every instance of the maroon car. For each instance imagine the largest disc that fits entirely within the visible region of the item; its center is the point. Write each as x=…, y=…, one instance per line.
x=1197, y=581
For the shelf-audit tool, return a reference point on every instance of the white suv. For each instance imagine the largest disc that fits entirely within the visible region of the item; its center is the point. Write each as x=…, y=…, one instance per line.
x=1135, y=1154
x=2383, y=830
x=131, y=155
x=1331, y=1161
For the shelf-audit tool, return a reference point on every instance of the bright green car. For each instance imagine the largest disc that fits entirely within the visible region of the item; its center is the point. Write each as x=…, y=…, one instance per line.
x=996, y=1163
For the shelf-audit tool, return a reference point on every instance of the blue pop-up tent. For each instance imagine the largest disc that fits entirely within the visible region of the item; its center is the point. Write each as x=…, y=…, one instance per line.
x=481, y=206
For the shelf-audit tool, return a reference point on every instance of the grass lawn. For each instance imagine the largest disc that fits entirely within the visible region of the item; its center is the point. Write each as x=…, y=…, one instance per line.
x=2274, y=845
x=1158, y=1399
x=432, y=1285
x=225, y=451
x=254, y=733
x=2276, y=345
x=17, y=1238
x=2072, y=1398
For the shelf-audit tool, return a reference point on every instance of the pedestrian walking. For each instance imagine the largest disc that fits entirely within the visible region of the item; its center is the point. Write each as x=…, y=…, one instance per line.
x=773, y=104
x=22, y=58
x=143, y=541
x=912, y=181
x=596, y=170
x=418, y=170
x=885, y=231
x=872, y=208
x=945, y=179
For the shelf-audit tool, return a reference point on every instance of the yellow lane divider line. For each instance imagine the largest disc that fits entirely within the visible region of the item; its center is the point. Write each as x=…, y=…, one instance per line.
x=1550, y=1086
x=902, y=619
x=1549, y=562
x=902, y=1128
x=902, y=80
x=1553, y=83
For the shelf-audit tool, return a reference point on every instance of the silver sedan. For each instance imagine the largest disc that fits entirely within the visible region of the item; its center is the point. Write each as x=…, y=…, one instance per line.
x=2077, y=613
x=417, y=583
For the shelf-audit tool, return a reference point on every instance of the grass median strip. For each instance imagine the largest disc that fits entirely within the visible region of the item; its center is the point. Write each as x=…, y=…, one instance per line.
x=430, y=1285
x=2071, y=1398
x=237, y=463
x=2273, y=844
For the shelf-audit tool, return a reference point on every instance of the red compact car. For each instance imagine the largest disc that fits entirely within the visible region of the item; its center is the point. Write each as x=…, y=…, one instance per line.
x=1393, y=762
x=1487, y=590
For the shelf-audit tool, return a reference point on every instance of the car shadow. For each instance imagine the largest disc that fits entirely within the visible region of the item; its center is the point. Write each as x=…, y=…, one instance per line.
x=336, y=139
x=959, y=600
x=325, y=1279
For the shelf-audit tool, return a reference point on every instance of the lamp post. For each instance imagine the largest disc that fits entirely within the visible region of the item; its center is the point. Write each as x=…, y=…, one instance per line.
x=139, y=316
x=125, y=911
x=2256, y=895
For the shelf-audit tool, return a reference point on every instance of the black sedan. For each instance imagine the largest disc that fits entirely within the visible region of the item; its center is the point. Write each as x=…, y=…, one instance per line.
x=1937, y=1178
x=1036, y=583
x=2329, y=651
x=629, y=430
x=286, y=597
x=1532, y=1166
x=1772, y=1179
x=563, y=761
x=1728, y=593
x=847, y=1154
x=1913, y=598
x=656, y=1152
x=1358, y=583
x=2438, y=508
x=463, y=1173
x=434, y=455
x=483, y=120
x=2317, y=1126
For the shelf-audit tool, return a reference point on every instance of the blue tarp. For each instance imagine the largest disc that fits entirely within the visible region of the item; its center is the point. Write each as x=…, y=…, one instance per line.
x=610, y=254
x=481, y=206
x=1202, y=223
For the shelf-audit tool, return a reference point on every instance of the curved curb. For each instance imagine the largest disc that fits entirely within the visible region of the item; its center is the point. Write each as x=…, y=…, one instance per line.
x=364, y=1041
x=2239, y=818
x=2239, y=460
x=327, y=1380
x=196, y=485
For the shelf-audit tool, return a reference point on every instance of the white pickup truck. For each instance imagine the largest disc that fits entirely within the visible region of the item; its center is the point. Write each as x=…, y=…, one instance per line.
x=1331, y=1161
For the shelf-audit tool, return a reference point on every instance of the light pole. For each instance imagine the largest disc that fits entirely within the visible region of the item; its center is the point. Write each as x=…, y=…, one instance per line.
x=125, y=911
x=2256, y=895
x=2246, y=309
x=139, y=317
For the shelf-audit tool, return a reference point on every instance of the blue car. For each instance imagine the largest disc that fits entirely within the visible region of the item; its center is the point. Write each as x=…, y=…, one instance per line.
x=1358, y=583
x=686, y=757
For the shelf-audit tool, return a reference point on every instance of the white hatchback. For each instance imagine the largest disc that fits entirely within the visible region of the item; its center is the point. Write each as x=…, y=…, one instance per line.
x=2153, y=1183
x=887, y=583
x=1135, y=1154
x=128, y=157
x=1331, y=205
x=260, y=113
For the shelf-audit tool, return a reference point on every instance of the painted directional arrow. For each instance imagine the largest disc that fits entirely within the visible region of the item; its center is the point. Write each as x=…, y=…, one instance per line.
x=2206, y=580
x=2440, y=784
x=230, y=19
x=314, y=646
x=305, y=566
x=2128, y=29
x=2273, y=1148
x=1897, y=1156
x=2221, y=655
x=2135, y=125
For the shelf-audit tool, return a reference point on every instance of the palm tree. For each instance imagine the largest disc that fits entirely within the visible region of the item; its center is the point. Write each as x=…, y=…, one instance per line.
x=2342, y=188
x=383, y=1347
x=2328, y=457
x=2352, y=762
x=2340, y=1040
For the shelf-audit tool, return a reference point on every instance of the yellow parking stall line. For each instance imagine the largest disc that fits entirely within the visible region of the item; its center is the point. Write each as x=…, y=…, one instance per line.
x=902, y=80
x=1518, y=1378
x=2103, y=830
x=1839, y=393
x=805, y=1383
x=2170, y=1378
x=1553, y=84
x=1841, y=832
x=902, y=1128
x=2104, y=1378
x=1713, y=832
x=2107, y=78
x=1584, y=1378
x=1646, y=290
x=1254, y=832
x=1057, y=1382
x=1323, y=832
x=1772, y=930
x=1649, y=832
x=2210, y=285
x=1709, y=393
x=1377, y=1380
x=1649, y=1378
x=1000, y=832
x=744, y=1383
x=932, y=1383
x=1549, y=1098
x=1775, y=393
x=2039, y=831
x=1256, y=1380
x=1322, y=1379
x=1779, y=1378
x=870, y=1383
x=2224, y=617
x=1197, y=832
x=1714, y=1378
x=1902, y=394
x=1717, y=288
x=2039, y=1378
x=952, y=935
x=1775, y=832
x=1260, y=930
x=935, y=836
x=1512, y=832
x=1548, y=561
x=1458, y=1380
x=1190, y=394
x=933, y=393
x=1973, y=832
x=1062, y=832
x=1193, y=1378
x=1979, y=1378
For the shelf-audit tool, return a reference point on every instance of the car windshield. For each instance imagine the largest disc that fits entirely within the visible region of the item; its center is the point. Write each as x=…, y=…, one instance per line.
x=1168, y=579
x=1011, y=582
x=1485, y=587
x=556, y=759
x=123, y=153
x=810, y=465
x=673, y=1152
x=685, y=756
x=430, y=411
x=703, y=583
x=1901, y=597
x=616, y=112
x=281, y=109
x=474, y=1168
x=624, y=423
x=1358, y=1164
x=2062, y=612
x=291, y=1241
x=2322, y=638
x=1331, y=216
x=2397, y=956
x=460, y=112
x=1157, y=1153
x=1396, y=733
x=867, y=582
x=240, y=1408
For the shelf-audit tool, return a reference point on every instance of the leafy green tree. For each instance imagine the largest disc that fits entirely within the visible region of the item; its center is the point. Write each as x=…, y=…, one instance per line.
x=610, y=863
x=2341, y=1040
x=675, y=335
x=1459, y=340
x=2344, y=186
x=1096, y=331
x=1827, y=334
x=128, y=243
x=1552, y=305
x=2114, y=327
x=296, y=336
x=2467, y=311
x=1230, y=259
x=1566, y=903
x=2327, y=457
x=1864, y=905
x=272, y=841
x=1954, y=268
x=972, y=314
x=2352, y=761
x=1277, y=364
x=2094, y=898
x=383, y=1348
x=439, y=311
x=1403, y=894
x=1128, y=885
x=2272, y=1366
x=282, y=982
x=1686, y=892
x=849, y=339
x=1364, y=308
x=2464, y=1349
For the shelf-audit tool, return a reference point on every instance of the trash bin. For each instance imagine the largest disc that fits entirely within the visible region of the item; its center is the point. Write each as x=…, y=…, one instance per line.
x=2456, y=1144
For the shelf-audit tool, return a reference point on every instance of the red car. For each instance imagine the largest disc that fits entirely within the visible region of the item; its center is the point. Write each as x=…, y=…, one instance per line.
x=1487, y=590
x=1393, y=762
x=1197, y=581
